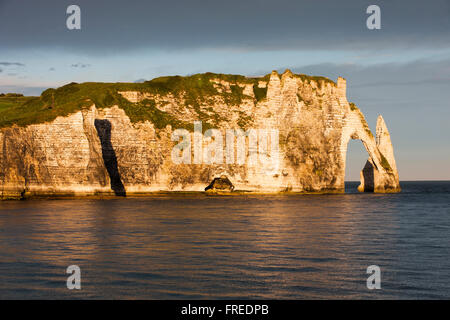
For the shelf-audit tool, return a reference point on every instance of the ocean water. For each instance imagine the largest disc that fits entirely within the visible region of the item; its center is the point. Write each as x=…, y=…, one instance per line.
x=230, y=247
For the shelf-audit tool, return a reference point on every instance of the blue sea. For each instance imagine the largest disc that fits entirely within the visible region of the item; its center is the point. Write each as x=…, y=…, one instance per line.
x=230, y=247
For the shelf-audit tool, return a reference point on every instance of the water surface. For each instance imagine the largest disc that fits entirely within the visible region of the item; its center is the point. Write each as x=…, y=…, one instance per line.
x=205, y=247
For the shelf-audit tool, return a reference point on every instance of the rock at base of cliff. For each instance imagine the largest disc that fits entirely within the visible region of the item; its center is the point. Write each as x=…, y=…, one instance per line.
x=374, y=181
x=367, y=177
x=222, y=184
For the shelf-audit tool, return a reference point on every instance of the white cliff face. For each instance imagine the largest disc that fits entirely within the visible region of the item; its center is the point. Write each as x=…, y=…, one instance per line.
x=100, y=151
x=384, y=143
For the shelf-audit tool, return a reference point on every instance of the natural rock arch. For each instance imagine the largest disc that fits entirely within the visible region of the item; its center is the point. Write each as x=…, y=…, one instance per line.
x=379, y=174
x=315, y=121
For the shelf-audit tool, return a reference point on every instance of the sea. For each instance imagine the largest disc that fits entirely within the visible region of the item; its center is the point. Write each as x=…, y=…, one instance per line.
x=197, y=246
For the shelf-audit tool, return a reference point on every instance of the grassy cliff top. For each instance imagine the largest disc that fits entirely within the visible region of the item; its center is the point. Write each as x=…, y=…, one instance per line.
x=73, y=97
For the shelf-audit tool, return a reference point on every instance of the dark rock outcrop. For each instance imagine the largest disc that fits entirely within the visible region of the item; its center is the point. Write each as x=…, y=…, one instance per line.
x=222, y=184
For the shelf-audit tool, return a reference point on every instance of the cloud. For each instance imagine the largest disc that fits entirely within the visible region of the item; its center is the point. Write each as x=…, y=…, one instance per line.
x=11, y=64
x=51, y=69
x=112, y=27
x=139, y=80
x=418, y=72
x=80, y=65
x=404, y=83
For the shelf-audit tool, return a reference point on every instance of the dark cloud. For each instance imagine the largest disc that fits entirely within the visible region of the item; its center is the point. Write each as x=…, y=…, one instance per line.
x=80, y=65
x=11, y=64
x=114, y=25
x=51, y=69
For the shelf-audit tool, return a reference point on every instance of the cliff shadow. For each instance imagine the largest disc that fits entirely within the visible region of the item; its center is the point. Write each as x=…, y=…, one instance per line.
x=356, y=154
x=368, y=176
x=109, y=156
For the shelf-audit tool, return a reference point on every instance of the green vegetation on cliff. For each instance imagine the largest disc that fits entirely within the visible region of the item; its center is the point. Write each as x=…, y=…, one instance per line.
x=74, y=97
x=195, y=90
x=318, y=79
x=385, y=163
x=7, y=101
x=260, y=93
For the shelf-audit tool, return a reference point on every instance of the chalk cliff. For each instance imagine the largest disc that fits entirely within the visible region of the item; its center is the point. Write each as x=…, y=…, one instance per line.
x=105, y=150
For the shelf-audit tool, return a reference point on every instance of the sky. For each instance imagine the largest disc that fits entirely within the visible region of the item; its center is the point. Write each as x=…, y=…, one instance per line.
x=401, y=71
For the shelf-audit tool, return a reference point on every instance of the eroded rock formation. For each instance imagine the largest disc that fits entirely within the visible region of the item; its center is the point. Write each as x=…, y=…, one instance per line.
x=380, y=172
x=221, y=184
x=98, y=151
